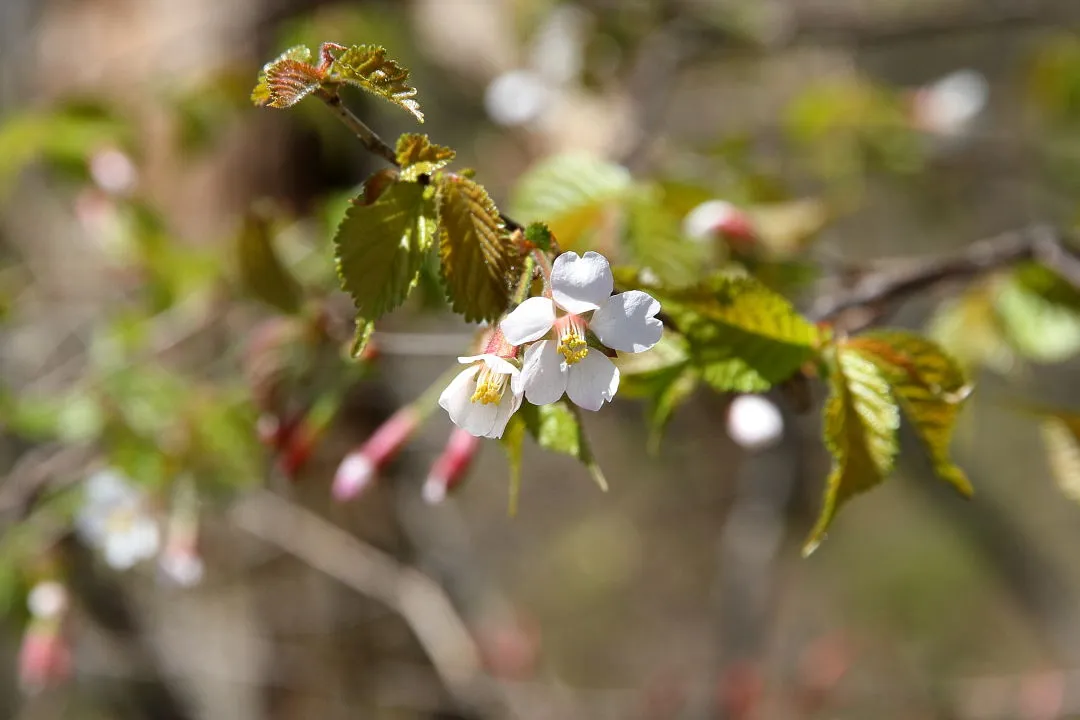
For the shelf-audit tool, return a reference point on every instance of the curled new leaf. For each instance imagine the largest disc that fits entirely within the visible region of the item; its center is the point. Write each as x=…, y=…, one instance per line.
x=931, y=389
x=367, y=67
x=479, y=263
x=287, y=79
x=380, y=248
x=861, y=419
x=417, y=156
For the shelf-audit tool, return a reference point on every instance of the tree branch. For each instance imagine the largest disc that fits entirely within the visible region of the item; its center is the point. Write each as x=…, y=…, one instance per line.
x=878, y=289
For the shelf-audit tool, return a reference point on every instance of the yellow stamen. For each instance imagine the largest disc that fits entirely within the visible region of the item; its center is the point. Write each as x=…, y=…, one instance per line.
x=572, y=345
x=489, y=386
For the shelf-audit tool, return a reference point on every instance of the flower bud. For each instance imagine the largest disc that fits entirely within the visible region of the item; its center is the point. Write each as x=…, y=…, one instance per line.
x=719, y=218
x=754, y=422
x=47, y=600
x=358, y=468
x=44, y=657
x=450, y=467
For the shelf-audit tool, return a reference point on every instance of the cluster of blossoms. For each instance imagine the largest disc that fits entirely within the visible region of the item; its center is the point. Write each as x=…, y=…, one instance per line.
x=565, y=338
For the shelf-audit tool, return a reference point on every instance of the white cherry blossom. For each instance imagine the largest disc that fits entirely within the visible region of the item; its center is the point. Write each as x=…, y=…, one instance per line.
x=480, y=398
x=581, y=300
x=114, y=519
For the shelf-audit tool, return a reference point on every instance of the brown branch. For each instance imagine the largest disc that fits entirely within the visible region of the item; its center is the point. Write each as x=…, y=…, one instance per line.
x=418, y=599
x=874, y=290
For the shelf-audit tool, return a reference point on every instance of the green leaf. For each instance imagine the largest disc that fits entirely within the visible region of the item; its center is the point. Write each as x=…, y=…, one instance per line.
x=417, y=156
x=287, y=79
x=969, y=328
x=571, y=193
x=931, y=389
x=380, y=248
x=655, y=239
x=479, y=263
x=743, y=336
x=367, y=67
x=1039, y=329
x=860, y=427
x=361, y=337
x=557, y=427
x=1048, y=285
x=261, y=270
x=539, y=235
x=1061, y=437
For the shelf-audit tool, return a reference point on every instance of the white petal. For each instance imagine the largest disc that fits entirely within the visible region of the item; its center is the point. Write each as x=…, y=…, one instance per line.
x=456, y=398
x=479, y=419
x=507, y=406
x=543, y=374
x=627, y=322
x=592, y=381
x=531, y=320
x=500, y=365
x=119, y=554
x=581, y=284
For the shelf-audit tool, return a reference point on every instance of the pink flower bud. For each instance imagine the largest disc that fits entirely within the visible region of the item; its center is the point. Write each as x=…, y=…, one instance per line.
x=450, y=467
x=44, y=657
x=719, y=218
x=358, y=468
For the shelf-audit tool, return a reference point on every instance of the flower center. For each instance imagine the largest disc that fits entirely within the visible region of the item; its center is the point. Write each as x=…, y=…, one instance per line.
x=489, y=386
x=571, y=333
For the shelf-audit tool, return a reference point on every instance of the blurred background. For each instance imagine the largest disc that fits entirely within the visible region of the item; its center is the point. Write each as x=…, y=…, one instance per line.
x=172, y=412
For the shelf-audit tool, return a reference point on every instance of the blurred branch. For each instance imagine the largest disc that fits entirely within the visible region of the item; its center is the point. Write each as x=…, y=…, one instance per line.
x=420, y=601
x=874, y=290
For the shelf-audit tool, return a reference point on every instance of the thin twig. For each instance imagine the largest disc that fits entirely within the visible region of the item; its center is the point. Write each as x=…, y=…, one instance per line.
x=875, y=289
x=419, y=600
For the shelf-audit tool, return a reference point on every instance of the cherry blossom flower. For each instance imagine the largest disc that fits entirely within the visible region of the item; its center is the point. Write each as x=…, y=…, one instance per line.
x=480, y=399
x=114, y=519
x=563, y=361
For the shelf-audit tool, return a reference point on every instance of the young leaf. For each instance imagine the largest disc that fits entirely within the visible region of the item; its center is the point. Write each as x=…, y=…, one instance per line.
x=287, y=79
x=539, y=235
x=571, y=193
x=930, y=387
x=557, y=427
x=367, y=67
x=417, y=156
x=1041, y=330
x=479, y=264
x=969, y=328
x=1061, y=436
x=261, y=270
x=742, y=335
x=380, y=248
x=860, y=426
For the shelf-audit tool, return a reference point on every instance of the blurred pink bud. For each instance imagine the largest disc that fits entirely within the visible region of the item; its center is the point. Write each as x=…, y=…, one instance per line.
x=754, y=422
x=47, y=600
x=358, y=468
x=511, y=649
x=719, y=218
x=44, y=657
x=450, y=467
x=740, y=691
x=949, y=105
x=113, y=171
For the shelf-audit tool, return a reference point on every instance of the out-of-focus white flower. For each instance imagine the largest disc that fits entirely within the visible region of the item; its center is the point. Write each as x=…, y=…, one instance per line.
x=949, y=105
x=113, y=519
x=517, y=97
x=564, y=362
x=113, y=171
x=714, y=217
x=47, y=600
x=481, y=398
x=754, y=422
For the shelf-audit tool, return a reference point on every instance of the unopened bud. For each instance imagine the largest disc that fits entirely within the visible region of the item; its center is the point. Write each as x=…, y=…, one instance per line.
x=44, y=657
x=358, y=468
x=719, y=218
x=450, y=467
x=754, y=422
x=47, y=600
x=949, y=105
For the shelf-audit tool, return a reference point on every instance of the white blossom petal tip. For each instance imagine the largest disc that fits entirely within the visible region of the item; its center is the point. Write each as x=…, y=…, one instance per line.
x=482, y=397
x=627, y=322
x=581, y=283
x=531, y=320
